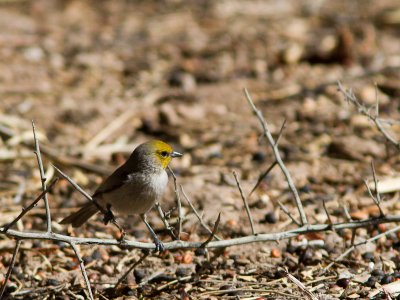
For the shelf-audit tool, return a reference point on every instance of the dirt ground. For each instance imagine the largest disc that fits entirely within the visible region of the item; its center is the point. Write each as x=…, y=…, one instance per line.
x=100, y=77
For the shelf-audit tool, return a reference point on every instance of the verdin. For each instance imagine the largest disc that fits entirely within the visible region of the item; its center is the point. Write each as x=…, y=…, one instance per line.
x=133, y=188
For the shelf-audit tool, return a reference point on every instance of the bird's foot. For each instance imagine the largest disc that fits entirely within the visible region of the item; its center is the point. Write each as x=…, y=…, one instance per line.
x=159, y=246
x=121, y=238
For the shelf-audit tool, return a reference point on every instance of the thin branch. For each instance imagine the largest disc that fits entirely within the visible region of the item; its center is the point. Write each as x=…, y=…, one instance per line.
x=261, y=237
x=202, y=223
x=167, y=226
x=134, y=265
x=179, y=203
x=32, y=205
x=274, y=146
x=377, y=198
x=280, y=132
x=353, y=247
x=286, y=211
x=326, y=212
x=346, y=213
x=212, y=235
x=10, y=268
x=350, y=97
x=246, y=205
x=262, y=176
x=42, y=177
x=301, y=286
x=83, y=269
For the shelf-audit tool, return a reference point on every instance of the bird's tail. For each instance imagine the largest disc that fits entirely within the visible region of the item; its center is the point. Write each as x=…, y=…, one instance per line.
x=81, y=216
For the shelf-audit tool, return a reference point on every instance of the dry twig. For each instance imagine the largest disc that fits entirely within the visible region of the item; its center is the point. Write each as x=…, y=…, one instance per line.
x=179, y=203
x=10, y=268
x=274, y=146
x=351, y=98
x=354, y=246
x=246, y=205
x=301, y=286
x=202, y=223
x=42, y=177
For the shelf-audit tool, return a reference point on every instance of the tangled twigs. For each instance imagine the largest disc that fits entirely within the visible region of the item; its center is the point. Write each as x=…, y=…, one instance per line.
x=274, y=146
x=354, y=246
x=351, y=98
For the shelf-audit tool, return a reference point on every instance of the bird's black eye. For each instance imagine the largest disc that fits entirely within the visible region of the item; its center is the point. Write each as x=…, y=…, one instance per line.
x=164, y=153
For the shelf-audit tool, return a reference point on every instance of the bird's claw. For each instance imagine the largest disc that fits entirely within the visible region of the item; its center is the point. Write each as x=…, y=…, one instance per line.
x=159, y=246
x=122, y=239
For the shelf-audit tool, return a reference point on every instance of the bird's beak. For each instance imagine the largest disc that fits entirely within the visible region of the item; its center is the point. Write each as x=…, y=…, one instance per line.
x=176, y=154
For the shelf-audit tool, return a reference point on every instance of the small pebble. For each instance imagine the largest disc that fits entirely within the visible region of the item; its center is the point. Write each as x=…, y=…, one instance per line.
x=139, y=275
x=343, y=282
x=377, y=272
x=200, y=251
x=368, y=256
x=53, y=282
x=270, y=218
x=387, y=278
x=108, y=270
x=258, y=157
x=182, y=272
x=371, y=282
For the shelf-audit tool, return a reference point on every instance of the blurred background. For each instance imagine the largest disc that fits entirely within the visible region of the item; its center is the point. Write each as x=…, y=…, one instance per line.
x=100, y=77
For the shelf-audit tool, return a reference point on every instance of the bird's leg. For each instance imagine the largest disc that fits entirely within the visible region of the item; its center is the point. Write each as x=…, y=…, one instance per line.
x=108, y=215
x=159, y=245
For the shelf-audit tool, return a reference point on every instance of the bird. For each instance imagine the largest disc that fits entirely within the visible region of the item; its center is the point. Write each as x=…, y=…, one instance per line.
x=131, y=189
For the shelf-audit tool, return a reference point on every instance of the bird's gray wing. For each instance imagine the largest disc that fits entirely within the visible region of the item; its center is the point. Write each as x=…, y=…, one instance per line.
x=114, y=181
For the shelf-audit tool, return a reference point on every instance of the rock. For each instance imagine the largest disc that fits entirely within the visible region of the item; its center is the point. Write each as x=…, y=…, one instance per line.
x=355, y=148
x=169, y=116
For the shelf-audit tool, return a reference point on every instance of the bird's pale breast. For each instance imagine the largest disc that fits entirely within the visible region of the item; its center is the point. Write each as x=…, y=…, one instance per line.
x=138, y=193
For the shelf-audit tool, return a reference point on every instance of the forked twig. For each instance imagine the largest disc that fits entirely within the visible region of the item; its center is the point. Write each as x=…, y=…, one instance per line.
x=286, y=211
x=246, y=205
x=30, y=206
x=42, y=177
x=167, y=226
x=377, y=198
x=274, y=146
x=350, y=97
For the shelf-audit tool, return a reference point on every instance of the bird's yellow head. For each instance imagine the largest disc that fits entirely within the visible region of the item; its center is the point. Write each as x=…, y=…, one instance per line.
x=155, y=153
